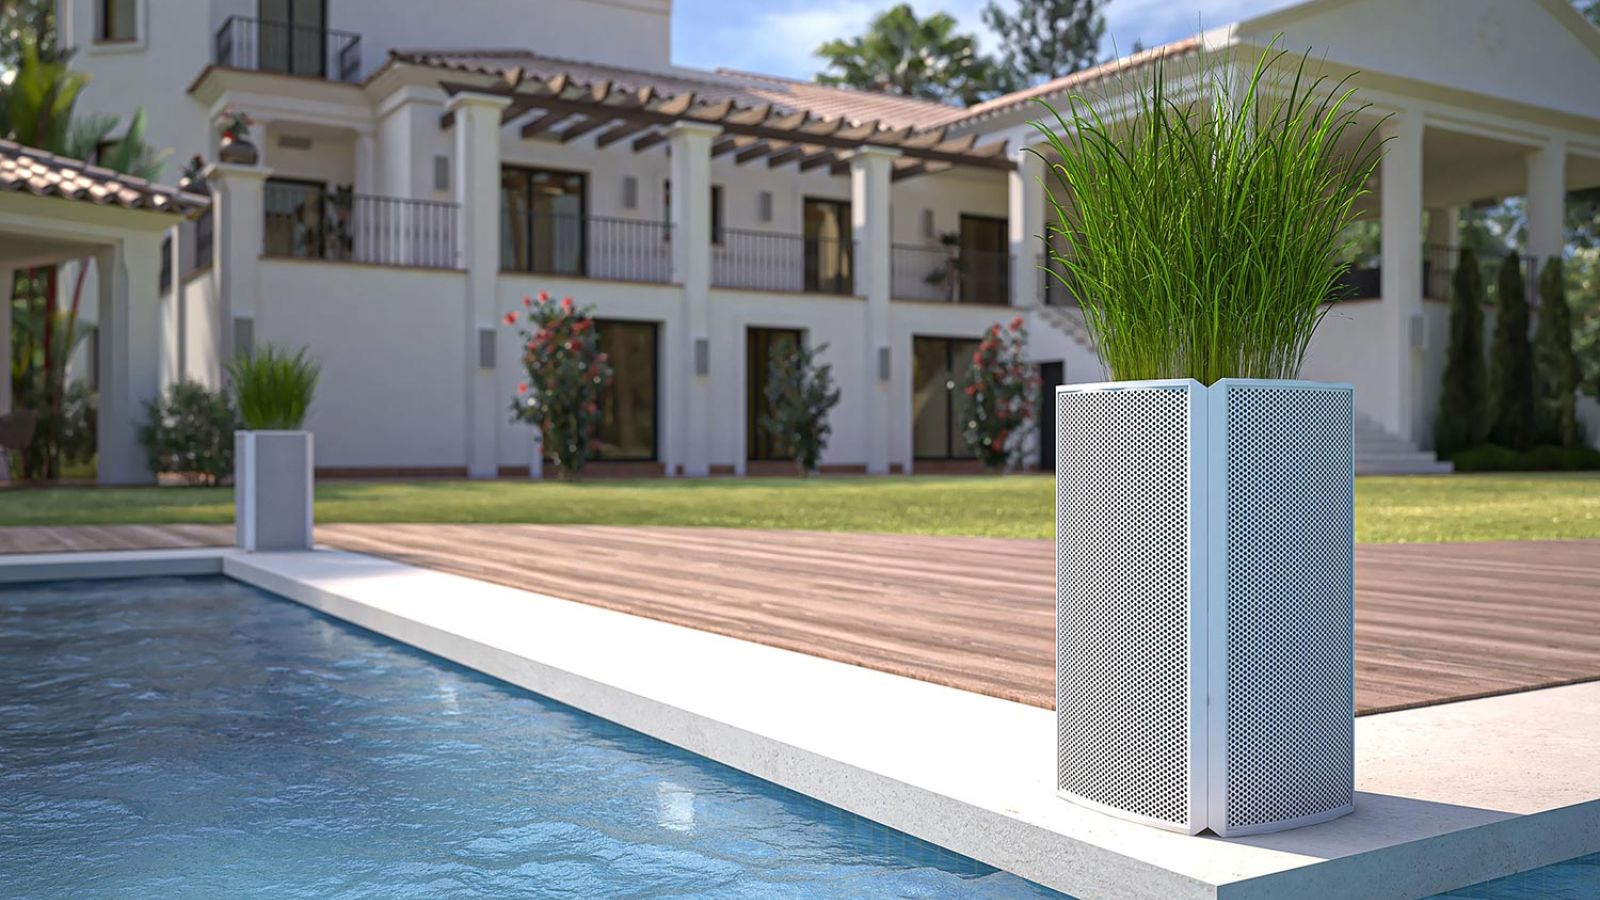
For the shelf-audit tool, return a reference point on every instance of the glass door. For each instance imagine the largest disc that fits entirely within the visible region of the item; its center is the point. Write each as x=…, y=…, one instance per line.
x=938, y=371
x=827, y=247
x=761, y=347
x=628, y=404
x=985, y=260
x=292, y=37
x=542, y=221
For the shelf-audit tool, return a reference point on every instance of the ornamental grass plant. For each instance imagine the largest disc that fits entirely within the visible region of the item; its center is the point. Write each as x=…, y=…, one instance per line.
x=1200, y=212
x=273, y=388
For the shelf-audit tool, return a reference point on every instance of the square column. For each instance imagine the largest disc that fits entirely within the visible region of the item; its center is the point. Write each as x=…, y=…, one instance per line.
x=871, y=171
x=1547, y=197
x=1401, y=281
x=1026, y=221
x=689, y=352
x=477, y=193
x=238, y=214
x=130, y=353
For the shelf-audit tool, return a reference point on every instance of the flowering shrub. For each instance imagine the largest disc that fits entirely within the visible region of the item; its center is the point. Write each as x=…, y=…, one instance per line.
x=997, y=403
x=800, y=393
x=567, y=374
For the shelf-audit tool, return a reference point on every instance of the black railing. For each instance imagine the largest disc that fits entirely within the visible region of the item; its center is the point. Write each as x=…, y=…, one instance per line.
x=246, y=43
x=204, y=241
x=773, y=261
x=949, y=274
x=1054, y=290
x=303, y=221
x=587, y=247
x=1364, y=278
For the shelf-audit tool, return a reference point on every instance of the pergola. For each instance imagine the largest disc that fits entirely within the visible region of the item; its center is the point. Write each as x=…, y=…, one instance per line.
x=564, y=108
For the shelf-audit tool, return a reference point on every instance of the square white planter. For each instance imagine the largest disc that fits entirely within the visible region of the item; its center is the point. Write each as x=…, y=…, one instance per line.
x=1205, y=602
x=272, y=489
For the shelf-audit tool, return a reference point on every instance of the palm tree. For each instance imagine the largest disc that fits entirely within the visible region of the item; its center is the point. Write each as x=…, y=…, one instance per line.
x=901, y=54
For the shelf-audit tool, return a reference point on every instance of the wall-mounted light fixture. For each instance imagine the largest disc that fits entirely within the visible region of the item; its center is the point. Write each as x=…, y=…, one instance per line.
x=486, y=348
x=630, y=192
x=764, y=206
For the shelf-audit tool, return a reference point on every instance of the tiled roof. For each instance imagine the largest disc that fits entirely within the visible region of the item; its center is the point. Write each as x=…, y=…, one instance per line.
x=743, y=88
x=48, y=175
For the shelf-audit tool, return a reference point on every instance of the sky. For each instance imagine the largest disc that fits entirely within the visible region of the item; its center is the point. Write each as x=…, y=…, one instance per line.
x=777, y=37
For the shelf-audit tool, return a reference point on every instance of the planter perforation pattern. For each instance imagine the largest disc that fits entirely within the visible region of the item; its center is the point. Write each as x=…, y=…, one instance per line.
x=1290, y=675
x=1123, y=718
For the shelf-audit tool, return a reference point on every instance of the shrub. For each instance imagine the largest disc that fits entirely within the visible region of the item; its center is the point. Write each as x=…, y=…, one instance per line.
x=1544, y=458
x=1511, y=398
x=800, y=394
x=1204, y=227
x=190, y=432
x=273, y=388
x=79, y=412
x=997, y=397
x=1555, y=369
x=567, y=375
x=1460, y=423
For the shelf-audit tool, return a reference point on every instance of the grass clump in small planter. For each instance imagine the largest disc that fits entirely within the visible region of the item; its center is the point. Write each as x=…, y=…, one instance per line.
x=273, y=388
x=1200, y=218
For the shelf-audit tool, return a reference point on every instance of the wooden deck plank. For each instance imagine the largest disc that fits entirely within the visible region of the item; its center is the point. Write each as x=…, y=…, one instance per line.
x=1434, y=622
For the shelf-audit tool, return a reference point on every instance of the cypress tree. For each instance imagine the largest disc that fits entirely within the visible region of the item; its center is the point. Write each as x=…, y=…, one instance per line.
x=1511, y=398
x=1555, y=365
x=1460, y=423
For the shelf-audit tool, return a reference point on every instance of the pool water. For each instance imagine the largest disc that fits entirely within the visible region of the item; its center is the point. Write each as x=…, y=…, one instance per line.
x=198, y=737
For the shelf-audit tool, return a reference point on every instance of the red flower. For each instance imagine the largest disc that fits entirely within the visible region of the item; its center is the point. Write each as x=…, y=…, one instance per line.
x=544, y=296
x=572, y=345
x=977, y=359
x=511, y=318
x=601, y=359
x=522, y=388
x=526, y=300
x=1016, y=324
x=590, y=408
x=566, y=304
x=971, y=389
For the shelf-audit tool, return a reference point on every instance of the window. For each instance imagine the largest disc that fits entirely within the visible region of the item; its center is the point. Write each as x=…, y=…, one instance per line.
x=293, y=37
x=716, y=212
x=166, y=263
x=628, y=406
x=938, y=368
x=118, y=20
x=295, y=218
x=827, y=247
x=985, y=260
x=542, y=221
x=203, y=242
x=102, y=150
x=761, y=347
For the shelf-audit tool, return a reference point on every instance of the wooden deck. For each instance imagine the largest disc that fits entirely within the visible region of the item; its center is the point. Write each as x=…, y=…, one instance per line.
x=1434, y=622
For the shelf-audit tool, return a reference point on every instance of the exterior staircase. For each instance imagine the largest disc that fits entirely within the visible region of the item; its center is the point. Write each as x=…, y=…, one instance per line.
x=1380, y=453
x=1069, y=321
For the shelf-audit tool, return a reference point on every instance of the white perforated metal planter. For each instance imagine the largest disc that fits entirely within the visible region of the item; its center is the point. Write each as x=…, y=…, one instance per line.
x=1205, y=602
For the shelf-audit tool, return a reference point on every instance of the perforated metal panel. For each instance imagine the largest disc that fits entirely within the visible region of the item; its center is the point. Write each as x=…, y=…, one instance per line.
x=1126, y=726
x=1287, y=719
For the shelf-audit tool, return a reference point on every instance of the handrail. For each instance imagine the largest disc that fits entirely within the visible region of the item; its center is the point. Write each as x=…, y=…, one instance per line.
x=349, y=227
x=585, y=246
x=779, y=261
x=244, y=42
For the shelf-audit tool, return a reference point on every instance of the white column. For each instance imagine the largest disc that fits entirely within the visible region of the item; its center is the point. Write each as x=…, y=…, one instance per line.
x=1547, y=196
x=130, y=353
x=477, y=190
x=366, y=185
x=366, y=163
x=871, y=171
x=689, y=144
x=238, y=215
x=1444, y=225
x=1401, y=284
x=7, y=277
x=1026, y=221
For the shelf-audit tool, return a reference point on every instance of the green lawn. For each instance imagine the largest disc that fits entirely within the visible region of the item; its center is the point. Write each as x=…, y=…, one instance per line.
x=1442, y=508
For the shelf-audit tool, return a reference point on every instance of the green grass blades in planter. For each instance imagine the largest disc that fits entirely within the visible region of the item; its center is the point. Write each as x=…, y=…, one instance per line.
x=273, y=388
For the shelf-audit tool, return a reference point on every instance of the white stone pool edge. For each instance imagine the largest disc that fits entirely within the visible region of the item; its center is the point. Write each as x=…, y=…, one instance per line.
x=1452, y=795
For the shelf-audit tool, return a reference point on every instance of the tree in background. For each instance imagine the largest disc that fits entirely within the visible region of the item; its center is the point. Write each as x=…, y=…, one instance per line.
x=1555, y=370
x=1045, y=39
x=26, y=20
x=910, y=57
x=1460, y=423
x=997, y=398
x=1511, y=397
x=567, y=376
x=800, y=394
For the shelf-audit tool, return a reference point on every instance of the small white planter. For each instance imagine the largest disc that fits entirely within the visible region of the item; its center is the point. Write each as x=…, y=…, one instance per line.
x=1205, y=602
x=272, y=490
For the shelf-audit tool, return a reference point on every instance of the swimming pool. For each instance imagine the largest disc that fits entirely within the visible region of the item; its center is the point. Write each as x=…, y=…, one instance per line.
x=198, y=737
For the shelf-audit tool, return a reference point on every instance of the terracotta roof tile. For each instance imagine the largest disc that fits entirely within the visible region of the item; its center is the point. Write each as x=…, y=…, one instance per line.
x=46, y=174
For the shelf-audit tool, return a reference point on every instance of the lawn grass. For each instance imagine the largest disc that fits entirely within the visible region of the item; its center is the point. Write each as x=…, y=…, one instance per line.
x=1412, y=509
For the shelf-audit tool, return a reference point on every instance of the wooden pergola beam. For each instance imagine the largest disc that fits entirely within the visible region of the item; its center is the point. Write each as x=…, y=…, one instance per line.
x=583, y=127
x=649, y=140
x=757, y=150
x=541, y=124
x=792, y=153
x=622, y=130
x=824, y=157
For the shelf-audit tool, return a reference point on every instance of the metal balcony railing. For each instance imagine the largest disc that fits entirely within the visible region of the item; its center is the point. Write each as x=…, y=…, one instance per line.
x=947, y=274
x=774, y=261
x=304, y=221
x=1364, y=278
x=586, y=247
x=265, y=46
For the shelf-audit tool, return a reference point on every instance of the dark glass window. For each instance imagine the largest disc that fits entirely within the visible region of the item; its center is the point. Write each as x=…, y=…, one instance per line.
x=985, y=260
x=716, y=212
x=293, y=37
x=166, y=263
x=119, y=20
x=628, y=407
x=761, y=347
x=542, y=221
x=938, y=370
x=828, y=239
x=204, y=241
x=295, y=218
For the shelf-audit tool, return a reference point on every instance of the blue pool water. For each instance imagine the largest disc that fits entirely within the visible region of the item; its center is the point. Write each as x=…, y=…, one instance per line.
x=197, y=737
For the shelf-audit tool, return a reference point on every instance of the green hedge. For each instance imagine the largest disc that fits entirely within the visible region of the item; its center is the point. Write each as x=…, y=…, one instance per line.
x=1494, y=458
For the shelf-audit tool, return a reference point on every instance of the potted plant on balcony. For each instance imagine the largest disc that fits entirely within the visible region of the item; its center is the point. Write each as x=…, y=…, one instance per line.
x=235, y=145
x=273, y=456
x=1204, y=498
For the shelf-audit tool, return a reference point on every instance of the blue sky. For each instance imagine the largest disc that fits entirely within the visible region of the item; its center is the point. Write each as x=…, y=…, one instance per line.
x=778, y=36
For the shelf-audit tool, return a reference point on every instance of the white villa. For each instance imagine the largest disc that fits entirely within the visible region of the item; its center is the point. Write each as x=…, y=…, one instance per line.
x=424, y=165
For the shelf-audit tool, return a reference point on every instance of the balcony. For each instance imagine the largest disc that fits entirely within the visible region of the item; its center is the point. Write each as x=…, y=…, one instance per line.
x=262, y=46
x=1055, y=291
x=941, y=273
x=306, y=221
x=775, y=261
x=1363, y=280
x=581, y=246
